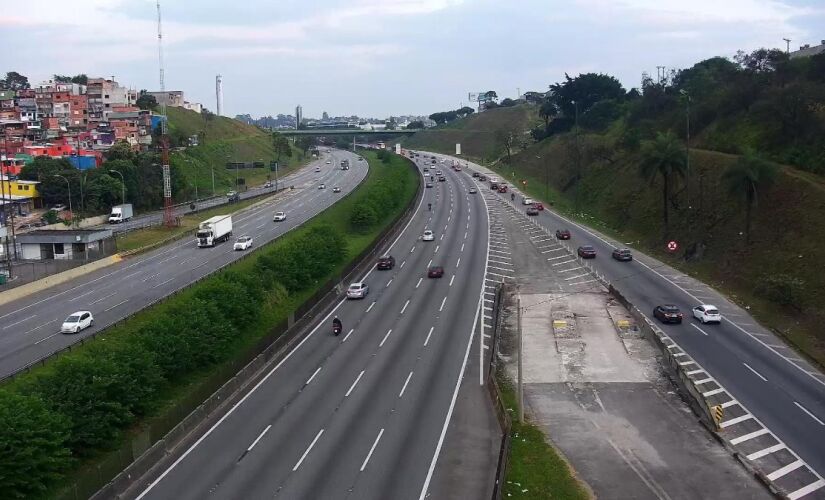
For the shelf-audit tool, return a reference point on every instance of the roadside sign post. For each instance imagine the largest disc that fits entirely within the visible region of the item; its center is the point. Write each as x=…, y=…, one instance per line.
x=520, y=352
x=672, y=246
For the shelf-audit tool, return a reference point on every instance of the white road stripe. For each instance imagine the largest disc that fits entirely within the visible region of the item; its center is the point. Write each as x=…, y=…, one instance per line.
x=749, y=436
x=18, y=322
x=370, y=307
x=442, y=304
x=118, y=304
x=385, y=338
x=755, y=372
x=809, y=413
x=801, y=492
x=259, y=437
x=427, y=340
x=406, y=304
x=419, y=282
x=313, y=376
x=773, y=476
x=736, y=420
x=348, y=334
x=298, y=464
x=401, y=394
x=354, y=384
x=366, y=460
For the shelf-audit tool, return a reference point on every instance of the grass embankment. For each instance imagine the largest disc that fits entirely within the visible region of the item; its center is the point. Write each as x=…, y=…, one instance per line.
x=146, y=237
x=225, y=140
x=535, y=468
x=70, y=425
x=476, y=133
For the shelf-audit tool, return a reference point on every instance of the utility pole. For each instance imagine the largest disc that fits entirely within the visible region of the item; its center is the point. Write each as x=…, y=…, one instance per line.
x=69, y=186
x=122, y=184
x=520, y=356
x=787, y=45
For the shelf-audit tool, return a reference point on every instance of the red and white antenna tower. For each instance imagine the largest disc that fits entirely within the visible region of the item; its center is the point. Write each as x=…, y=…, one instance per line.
x=168, y=218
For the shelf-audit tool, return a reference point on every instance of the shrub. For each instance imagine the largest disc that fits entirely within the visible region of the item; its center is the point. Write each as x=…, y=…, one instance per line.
x=33, y=439
x=783, y=289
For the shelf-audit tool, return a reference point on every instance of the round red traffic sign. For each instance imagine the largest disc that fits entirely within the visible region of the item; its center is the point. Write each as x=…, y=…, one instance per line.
x=672, y=246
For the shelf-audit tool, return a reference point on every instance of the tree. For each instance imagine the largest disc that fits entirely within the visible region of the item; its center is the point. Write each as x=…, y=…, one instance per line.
x=80, y=79
x=391, y=124
x=103, y=191
x=464, y=111
x=33, y=440
x=146, y=100
x=585, y=90
x=507, y=102
x=746, y=178
x=121, y=150
x=15, y=81
x=304, y=143
x=416, y=124
x=507, y=138
x=548, y=111
x=663, y=157
x=281, y=146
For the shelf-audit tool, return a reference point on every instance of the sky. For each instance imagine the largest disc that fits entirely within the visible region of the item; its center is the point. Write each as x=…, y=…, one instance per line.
x=378, y=58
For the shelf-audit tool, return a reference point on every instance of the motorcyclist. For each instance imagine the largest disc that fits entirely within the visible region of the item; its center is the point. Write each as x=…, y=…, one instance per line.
x=430, y=207
x=512, y=196
x=337, y=326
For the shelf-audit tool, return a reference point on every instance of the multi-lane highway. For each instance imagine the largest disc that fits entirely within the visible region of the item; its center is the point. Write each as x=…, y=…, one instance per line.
x=29, y=326
x=362, y=415
x=774, y=401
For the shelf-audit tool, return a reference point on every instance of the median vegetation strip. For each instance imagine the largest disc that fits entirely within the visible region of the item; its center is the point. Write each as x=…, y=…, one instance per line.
x=61, y=423
x=535, y=468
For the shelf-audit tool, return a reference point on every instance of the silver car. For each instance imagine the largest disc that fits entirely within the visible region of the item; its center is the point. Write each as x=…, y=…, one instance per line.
x=358, y=290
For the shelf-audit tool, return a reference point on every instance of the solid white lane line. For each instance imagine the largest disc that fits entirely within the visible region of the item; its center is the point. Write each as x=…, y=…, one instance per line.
x=366, y=460
x=348, y=334
x=385, y=338
x=405, y=306
x=451, y=280
x=118, y=304
x=298, y=464
x=354, y=383
x=18, y=322
x=313, y=376
x=419, y=282
x=427, y=340
x=820, y=422
x=259, y=437
x=755, y=372
x=370, y=307
x=442, y=304
x=401, y=394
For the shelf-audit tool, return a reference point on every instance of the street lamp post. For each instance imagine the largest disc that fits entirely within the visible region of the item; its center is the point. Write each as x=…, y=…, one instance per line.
x=546, y=180
x=687, y=143
x=69, y=186
x=122, y=184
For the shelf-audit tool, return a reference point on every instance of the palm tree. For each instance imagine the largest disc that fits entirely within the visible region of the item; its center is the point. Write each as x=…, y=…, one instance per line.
x=663, y=157
x=746, y=178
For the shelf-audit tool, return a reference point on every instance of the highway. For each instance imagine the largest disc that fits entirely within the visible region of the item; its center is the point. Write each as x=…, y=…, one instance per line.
x=761, y=381
x=29, y=326
x=362, y=415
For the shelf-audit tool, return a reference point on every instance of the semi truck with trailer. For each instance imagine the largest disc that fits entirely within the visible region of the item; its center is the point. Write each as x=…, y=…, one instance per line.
x=214, y=230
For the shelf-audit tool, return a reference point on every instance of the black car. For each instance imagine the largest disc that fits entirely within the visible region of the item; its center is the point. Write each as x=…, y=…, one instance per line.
x=476, y=174
x=667, y=313
x=622, y=254
x=435, y=272
x=442, y=179
x=482, y=178
x=494, y=186
x=386, y=263
x=587, y=252
x=563, y=234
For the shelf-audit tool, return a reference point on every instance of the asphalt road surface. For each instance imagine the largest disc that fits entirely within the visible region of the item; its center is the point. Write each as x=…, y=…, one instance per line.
x=362, y=415
x=768, y=383
x=29, y=327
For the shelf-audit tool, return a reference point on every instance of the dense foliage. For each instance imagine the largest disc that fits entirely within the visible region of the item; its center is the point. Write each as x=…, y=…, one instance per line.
x=380, y=199
x=443, y=117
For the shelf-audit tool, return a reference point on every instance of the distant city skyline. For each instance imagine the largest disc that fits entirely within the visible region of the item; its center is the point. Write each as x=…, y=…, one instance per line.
x=424, y=56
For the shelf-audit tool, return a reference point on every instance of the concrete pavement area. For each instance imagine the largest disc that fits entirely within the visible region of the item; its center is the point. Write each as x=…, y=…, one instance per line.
x=598, y=391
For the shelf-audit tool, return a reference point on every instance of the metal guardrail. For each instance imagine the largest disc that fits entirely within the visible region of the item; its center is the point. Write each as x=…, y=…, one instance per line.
x=494, y=391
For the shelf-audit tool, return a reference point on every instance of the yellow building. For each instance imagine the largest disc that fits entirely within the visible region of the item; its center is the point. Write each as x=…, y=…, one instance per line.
x=23, y=192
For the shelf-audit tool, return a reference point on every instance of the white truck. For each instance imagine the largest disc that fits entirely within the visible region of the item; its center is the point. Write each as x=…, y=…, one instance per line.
x=214, y=230
x=121, y=213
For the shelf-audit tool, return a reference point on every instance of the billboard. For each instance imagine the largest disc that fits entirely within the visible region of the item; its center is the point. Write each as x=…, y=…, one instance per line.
x=458, y=148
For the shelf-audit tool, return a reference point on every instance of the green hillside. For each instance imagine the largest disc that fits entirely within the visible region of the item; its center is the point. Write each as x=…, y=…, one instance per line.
x=223, y=140
x=476, y=133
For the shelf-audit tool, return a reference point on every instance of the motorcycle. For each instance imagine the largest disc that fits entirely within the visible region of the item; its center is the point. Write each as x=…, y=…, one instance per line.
x=336, y=328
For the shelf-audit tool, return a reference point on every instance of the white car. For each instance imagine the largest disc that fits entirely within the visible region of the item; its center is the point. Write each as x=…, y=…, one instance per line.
x=318, y=169
x=358, y=290
x=279, y=216
x=77, y=321
x=322, y=186
x=707, y=313
x=428, y=236
x=473, y=191
x=328, y=163
x=243, y=243
x=527, y=201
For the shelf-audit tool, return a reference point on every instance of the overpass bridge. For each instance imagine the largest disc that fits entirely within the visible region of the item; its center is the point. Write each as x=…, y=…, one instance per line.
x=345, y=131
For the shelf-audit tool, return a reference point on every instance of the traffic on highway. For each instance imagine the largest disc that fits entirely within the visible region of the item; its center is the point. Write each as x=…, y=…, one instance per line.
x=31, y=326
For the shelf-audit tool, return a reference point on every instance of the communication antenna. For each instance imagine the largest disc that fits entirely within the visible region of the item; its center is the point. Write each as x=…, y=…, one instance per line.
x=168, y=219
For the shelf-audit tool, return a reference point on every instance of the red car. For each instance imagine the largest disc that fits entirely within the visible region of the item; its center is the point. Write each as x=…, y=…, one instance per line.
x=562, y=234
x=502, y=189
x=538, y=206
x=435, y=272
x=587, y=252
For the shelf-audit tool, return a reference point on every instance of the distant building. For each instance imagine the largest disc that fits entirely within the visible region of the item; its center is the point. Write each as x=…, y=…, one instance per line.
x=808, y=51
x=51, y=244
x=172, y=98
